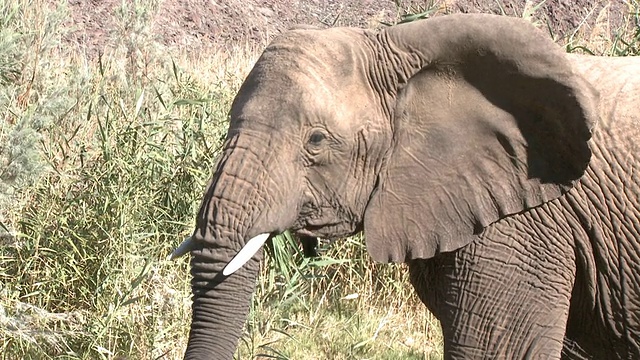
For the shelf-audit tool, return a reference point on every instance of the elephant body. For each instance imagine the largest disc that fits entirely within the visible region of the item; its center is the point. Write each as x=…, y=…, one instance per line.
x=570, y=267
x=573, y=301
x=605, y=313
x=501, y=169
x=563, y=277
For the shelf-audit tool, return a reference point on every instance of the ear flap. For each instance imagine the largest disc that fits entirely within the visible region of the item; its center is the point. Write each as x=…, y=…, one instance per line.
x=493, y=122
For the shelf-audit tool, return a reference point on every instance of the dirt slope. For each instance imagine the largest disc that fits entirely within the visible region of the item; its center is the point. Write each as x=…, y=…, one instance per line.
x=196, y=24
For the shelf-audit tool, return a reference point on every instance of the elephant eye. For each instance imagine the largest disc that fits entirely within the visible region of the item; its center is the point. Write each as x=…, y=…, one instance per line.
x=317, y=137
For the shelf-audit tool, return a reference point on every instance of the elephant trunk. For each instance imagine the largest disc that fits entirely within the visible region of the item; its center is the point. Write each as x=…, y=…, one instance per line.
x=236, y=207
x=220, y=305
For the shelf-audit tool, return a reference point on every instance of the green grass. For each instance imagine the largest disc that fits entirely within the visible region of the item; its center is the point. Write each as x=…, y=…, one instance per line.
x=102, y=168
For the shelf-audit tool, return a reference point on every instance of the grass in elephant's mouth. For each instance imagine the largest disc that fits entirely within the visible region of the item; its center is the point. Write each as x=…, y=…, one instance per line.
x=108, y=161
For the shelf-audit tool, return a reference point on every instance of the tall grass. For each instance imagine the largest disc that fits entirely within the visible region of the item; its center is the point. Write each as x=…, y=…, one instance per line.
x=123, y=147
x=102, y=166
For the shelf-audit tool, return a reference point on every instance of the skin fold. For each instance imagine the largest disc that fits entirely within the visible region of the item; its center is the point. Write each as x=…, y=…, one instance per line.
x=501, y=169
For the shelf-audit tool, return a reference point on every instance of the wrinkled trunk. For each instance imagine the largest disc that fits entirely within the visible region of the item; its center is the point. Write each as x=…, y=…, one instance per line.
x=220, y=306
x=239, y=204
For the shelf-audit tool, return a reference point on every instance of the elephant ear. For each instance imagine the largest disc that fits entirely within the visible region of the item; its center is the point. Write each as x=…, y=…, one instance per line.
x=488, y=120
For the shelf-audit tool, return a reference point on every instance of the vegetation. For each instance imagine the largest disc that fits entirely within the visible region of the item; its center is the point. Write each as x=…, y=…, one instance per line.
x=102, y=167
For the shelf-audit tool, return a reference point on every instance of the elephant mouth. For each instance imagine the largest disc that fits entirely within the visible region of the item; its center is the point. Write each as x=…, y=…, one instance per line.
x=325, y=230
x=326, y=222
x=308, y=231
x=309, y=246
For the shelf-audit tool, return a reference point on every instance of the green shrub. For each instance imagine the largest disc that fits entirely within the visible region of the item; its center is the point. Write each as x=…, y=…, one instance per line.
x=33, y=95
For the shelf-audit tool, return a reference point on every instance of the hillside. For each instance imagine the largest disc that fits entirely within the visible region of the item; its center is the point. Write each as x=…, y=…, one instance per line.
x=195, y=24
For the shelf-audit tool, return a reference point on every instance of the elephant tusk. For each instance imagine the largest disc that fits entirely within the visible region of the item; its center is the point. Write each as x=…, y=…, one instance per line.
x=248, y=250
x=185, y=247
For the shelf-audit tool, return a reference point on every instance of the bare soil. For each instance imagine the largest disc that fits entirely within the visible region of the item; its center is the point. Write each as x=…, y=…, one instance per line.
x=193, y=25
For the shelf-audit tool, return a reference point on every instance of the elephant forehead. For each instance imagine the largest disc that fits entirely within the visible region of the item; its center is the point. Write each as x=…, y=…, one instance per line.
x=330, y=51
x=306, y=77
x=329, y=61
x=302, y=98
x=312, y=103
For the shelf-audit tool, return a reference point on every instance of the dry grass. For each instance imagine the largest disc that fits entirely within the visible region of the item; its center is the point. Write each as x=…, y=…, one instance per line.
x=114, y=156
x=603, y=38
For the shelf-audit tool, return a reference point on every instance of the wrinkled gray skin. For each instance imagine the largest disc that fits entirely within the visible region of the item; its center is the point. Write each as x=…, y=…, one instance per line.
x=501, y=169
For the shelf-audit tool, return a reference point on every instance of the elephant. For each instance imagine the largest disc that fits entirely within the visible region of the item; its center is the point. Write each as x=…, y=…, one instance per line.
x=503, y=170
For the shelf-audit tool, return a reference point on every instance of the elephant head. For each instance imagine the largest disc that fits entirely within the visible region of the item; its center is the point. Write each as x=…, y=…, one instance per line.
x=420, y=134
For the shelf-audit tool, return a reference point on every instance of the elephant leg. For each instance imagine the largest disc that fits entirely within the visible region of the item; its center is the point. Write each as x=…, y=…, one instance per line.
x=505, y=296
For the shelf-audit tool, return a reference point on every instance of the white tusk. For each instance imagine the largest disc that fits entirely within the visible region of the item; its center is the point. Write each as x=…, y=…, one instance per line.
x=182, y=249
x=245, y=254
